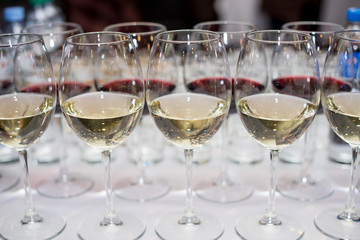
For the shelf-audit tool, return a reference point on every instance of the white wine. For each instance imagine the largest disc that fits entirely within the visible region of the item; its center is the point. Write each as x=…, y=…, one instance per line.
x=188, y=119
x=276, y=120
x=102, y=119
x=23, y=118
x=343, y=112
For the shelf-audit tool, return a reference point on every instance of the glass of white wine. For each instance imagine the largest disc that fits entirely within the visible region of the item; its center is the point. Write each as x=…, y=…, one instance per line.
x=25, y=113
x=340, y=96
x=146, y=145
x=188, y=105
x=66, y=184
x=240, y=150
x=102, y=108
x=276, y=107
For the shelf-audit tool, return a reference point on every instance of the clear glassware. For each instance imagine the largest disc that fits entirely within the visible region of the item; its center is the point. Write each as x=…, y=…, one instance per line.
x=340, y=96
x=277, y=94
x=102, y=109
x=65, y=184
x=306, y=186
x=25, y=113
x=146, y=145
x=188, y=95
x=240, y=150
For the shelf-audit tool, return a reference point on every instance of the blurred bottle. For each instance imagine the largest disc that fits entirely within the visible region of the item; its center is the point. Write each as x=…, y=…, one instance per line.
x=44, y=11
x=14, y=19
x=339, y=151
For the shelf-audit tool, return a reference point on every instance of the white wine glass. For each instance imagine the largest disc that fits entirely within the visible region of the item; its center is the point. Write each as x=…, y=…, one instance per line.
x=25, y=113
x=103, y=112
x=188, y=106
x=340, y=96
x=65, y=184
x=224, y=189
x=305, y=186
x=146, y=145
x=276, y=109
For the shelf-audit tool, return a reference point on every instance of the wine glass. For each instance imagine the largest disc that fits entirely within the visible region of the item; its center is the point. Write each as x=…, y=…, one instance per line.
x=188, y=106
x=64, y=185
x=305, y=186
x=223, y=189
x=276, y=107
x=146, y=145
x=102, y=111
x=25, y=113
x=340, y=96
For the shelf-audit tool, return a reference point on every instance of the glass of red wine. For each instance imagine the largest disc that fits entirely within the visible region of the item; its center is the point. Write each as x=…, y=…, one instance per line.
x=25, y=113
x=104, y=115
x=275, y=117
x=236, y=144
x=65, y=184
x=306, y=186
x=188, y=118
x=340, y=96
x=146, y=145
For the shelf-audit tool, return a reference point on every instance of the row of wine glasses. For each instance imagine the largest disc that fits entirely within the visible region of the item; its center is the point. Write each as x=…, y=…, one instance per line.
x=188, y=94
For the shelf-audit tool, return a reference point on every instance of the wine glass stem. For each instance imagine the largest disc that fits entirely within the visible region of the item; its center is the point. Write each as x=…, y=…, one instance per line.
x=270, y=217
x=62, y=157
x=31, y=215
x=141, y=178
x=308, y=156
x=110, y=217
x=189, y=217
x=349, y=213
x=223, y=178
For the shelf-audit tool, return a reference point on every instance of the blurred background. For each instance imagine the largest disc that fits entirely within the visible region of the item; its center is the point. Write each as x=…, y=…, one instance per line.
x=94, y=15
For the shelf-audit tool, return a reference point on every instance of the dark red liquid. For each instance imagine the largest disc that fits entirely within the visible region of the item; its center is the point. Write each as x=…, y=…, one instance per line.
x=333, y=85
x=301, y=86
x=5, y=86
x=212, y=85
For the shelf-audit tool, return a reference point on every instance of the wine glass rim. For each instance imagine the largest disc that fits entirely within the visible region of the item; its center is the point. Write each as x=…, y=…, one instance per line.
x=227, y=22
x=70, y=39
x=336, y=26
x=131, y=24
x=76, y=27
x=35, y=38
x=339, y=34
x=278, y=32
x=216, y=35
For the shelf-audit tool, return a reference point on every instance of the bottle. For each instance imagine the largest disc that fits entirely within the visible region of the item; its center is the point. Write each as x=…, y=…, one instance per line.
x=339, y=151
x=14, y=19
x=44, y=11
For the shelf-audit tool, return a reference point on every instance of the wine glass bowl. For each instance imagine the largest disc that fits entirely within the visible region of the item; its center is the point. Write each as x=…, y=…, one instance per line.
x=102, y=108
x=25, y=113
x=340, y=96
x=65, y=184
x=146, y=145
x=277, y=93
x=188, y=95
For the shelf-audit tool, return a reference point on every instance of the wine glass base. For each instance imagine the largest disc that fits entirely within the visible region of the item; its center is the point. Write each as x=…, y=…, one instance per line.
x=169, y=228
x=224, y=193
x=51, y=226
x=328, y=223
x=304, y=191
x=142, y=192
x=7, y=181
x=132, y=228
x=72, y=187
x=250, y=228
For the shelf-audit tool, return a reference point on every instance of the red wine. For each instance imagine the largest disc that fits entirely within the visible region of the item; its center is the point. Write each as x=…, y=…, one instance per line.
x=335, y=85
x=294, y=85
x=211, y=85
x=5, y=86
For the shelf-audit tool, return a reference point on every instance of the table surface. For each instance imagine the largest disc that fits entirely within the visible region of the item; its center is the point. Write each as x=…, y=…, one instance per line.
x=172, y=171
